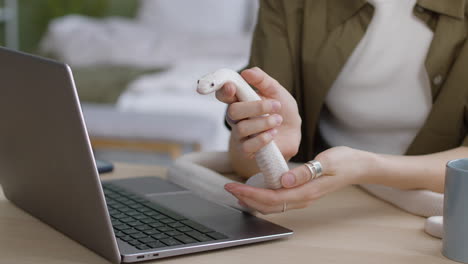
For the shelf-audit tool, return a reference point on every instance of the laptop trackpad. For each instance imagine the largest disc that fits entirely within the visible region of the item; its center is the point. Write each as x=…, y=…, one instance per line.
x=191, y=205
x=148, y=185
x=218, y=217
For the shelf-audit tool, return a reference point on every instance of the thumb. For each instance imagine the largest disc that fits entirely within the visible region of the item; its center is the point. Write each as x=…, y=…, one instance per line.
x=296, y=177
x=265, y=84
x=227, y=94
x=303, y=174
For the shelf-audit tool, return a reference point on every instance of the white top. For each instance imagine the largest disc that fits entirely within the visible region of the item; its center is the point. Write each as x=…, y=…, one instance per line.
x=382, y=97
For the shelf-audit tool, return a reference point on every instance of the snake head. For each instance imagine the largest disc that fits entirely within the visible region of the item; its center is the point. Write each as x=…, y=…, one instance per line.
x=207, y=84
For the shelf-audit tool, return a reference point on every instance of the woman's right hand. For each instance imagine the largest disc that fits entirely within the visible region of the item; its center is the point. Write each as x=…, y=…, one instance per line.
x=251, y=129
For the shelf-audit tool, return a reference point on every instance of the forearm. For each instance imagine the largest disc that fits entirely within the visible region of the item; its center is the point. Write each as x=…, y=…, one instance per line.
x=412, y=172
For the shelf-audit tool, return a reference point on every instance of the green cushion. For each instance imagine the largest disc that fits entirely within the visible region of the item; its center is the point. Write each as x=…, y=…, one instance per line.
x=104, y=84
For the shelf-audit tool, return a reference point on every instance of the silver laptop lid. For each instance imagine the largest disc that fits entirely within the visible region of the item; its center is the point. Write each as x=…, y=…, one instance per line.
x=46, y=162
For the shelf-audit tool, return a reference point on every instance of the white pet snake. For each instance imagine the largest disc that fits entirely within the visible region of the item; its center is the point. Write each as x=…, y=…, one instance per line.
x=269, y=159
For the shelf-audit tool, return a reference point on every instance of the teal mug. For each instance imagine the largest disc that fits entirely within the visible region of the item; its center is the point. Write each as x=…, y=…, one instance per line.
x=455, y=241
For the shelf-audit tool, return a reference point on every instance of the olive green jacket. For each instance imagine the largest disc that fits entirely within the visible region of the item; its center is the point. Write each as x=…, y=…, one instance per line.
x=305, y=43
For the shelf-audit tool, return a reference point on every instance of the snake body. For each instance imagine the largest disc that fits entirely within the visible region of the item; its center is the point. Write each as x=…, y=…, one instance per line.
x=272, y=164
x=269, y=159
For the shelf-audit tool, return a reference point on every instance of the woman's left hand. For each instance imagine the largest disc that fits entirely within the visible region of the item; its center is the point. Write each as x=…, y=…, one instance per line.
x=341, y=166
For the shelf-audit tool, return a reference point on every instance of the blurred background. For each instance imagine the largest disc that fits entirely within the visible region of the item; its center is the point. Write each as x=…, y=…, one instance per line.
x=136, y=63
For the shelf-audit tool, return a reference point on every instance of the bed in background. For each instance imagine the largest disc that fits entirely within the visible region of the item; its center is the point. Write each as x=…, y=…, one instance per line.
x=136, y=77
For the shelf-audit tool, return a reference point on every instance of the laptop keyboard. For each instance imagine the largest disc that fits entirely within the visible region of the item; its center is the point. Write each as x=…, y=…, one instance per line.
x=146, y=225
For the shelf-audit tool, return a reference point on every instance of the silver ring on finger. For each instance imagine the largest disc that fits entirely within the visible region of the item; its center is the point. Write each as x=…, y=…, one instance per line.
x=315, y=168
x=285, y=206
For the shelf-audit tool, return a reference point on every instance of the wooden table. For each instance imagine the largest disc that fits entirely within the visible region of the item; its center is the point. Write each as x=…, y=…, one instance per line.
x=348, y=226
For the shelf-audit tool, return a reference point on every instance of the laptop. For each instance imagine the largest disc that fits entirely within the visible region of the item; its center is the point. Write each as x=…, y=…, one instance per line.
x=47, y=169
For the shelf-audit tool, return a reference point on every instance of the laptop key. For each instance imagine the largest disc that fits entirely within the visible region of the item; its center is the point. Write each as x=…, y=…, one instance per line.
x=143, y=247
x=143, y=227
x=140, y=216
x=166, y=220
x=216, y=235
x=122, y=200
x=125, y=209
x=132, y=213
x=199, y=236
x=197, y=226
x=148, y=220
x=176, y=225
x=116, y=222
x=185, y=239
x=149, y=212
x=131, y=231
x=173, y=233
x=119, y=233
x=160, y=236
x=112, y=211
x=134, y=223
x=165, y=211
x=152, y=232
x=156, y=244
x=126, y=238
x=170, y=242
x=203, y=238
x=147, y=240
x=156, y=224
x=184, y=229
x=159, y=216
x=119, y=206
x=138, y=235
x=134, y=242
x=118, y=215
x=136, y=206
x=143, y=210
x=122, y=227
x=126, y=219
x=165, y=229
x=131, y=203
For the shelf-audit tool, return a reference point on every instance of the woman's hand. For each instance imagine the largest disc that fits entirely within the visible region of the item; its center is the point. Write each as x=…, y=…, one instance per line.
x=342, y=166
x=255, y=124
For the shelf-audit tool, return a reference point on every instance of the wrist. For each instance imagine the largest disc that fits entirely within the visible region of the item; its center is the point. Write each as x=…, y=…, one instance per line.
x=352, y=165
x=369, y=167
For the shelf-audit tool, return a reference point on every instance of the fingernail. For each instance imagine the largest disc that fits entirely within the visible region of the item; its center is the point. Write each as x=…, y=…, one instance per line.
x=227, y=90
x=273, y=132
x=289, y=179
x=232, y=189
x=279, y=119
x=276, y=106
x=228, y=187
x=242, y=203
